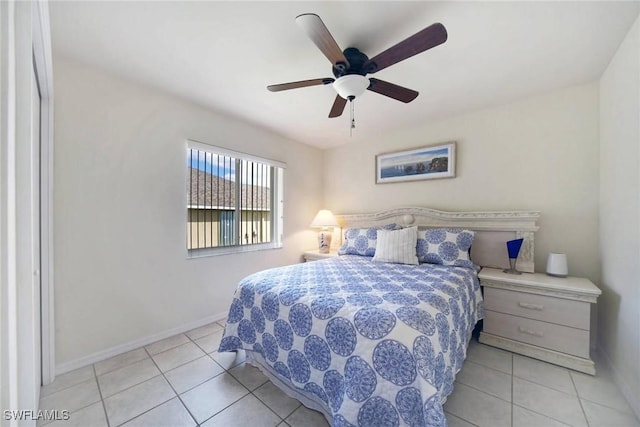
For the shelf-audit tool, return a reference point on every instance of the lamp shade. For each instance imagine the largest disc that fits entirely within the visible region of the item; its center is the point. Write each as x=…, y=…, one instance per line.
x=351, y=85
x=324, y=218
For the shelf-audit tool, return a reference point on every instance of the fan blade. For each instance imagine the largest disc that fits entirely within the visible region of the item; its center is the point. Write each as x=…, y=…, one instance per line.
x=321, y=37
x=338, y=107
x=430, y=37
x=392, y=91
x=303, y=83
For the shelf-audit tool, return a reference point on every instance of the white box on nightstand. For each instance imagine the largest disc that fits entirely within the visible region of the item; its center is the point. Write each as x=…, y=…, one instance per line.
x=540, y=316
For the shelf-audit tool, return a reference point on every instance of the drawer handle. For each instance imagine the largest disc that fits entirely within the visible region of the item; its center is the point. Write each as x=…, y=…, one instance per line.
x=530, y=332
x=531, y=306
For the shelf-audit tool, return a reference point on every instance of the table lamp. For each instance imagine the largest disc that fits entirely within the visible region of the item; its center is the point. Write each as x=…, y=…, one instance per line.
x=513, y=247
x=325, y=221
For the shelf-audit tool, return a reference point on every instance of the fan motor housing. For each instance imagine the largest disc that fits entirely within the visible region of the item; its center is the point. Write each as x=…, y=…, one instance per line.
x=356, y=60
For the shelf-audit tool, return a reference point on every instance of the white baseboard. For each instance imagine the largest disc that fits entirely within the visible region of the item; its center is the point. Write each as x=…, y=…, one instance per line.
x=622, y=384
x=132, y=345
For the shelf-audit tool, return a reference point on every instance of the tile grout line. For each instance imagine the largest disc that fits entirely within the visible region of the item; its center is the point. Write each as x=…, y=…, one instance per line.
x=104, y=406
x=187, y=362
x=536, y=412
x=224, y=371
x=483, y=392
x=120, y=367
x=540, y=413
x=512, y=402
x=162, y=373
x=71, y=385
x=283, y=420
x=82, y=407
x=265, y=403
x=166, y=349
x=609, y=407
x=148, y=410
x=458, y=416
x=102, y=398
x=189, y=339
x=229, y=405
x=487, y=367
x=575, y=388
x=144, y=412
x=172, y=388
x=477, y=362
x=249, y=393
x=160, y=370
x=131, y=386
x=67, y=388
x=473, y=388
x=489, y=394
x=531, y=380
x=148, y=379
x=546, y=415
x=547, y=387
x=606, y=405
x=457, y=380
x=584, y=414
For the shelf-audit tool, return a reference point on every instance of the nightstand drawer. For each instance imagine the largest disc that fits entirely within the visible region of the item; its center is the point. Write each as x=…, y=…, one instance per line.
x=555, y=337
x=561, y=311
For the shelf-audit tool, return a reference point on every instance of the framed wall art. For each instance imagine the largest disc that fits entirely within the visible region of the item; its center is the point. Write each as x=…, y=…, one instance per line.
x=431, y=162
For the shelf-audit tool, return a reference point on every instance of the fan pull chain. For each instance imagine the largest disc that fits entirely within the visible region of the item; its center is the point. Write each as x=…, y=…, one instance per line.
x=353, y=120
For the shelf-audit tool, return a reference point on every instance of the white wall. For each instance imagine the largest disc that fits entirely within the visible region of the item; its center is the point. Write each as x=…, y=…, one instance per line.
x=121, y=270
x=537, y=154
x=619, y=305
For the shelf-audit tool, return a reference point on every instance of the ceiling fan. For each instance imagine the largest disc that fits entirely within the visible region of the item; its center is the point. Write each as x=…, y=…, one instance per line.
x=351, y=66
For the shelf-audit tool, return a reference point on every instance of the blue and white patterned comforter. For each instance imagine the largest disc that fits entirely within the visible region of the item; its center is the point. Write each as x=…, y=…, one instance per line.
x=372, y=343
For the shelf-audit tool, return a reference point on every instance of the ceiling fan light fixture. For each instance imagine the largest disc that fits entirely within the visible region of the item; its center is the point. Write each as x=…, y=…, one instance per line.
x=351, y=85
x=351, y=66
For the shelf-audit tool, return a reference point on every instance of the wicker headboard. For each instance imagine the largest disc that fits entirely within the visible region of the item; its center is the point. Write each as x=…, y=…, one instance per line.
x=492, y=229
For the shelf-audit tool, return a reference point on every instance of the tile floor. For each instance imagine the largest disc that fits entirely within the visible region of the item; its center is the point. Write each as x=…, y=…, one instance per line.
x=183, y=381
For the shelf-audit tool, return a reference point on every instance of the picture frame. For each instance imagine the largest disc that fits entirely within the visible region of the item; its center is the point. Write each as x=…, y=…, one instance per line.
x=430, y=162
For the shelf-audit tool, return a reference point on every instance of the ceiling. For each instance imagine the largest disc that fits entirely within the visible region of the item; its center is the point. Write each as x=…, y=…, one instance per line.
x=222, y=55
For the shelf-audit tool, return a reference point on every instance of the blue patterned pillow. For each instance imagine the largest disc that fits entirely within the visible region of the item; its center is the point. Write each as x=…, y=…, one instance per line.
x=362, y=241
x=445, y=246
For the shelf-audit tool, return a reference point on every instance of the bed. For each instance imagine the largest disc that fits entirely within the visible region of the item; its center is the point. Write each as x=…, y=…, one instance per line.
x=376, y=335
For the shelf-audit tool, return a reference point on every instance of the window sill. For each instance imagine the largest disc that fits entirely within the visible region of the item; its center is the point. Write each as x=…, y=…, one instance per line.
x=229, y=250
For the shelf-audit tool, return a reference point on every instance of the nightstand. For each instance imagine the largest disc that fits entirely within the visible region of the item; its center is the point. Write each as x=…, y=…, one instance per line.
x=315, y=255
x=544, y=317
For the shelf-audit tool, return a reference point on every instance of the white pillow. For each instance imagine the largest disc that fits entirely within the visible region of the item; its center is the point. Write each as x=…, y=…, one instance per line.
x=398, y=246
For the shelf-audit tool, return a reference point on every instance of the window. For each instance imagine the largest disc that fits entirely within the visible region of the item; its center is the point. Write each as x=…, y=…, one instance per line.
x=234, y=201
